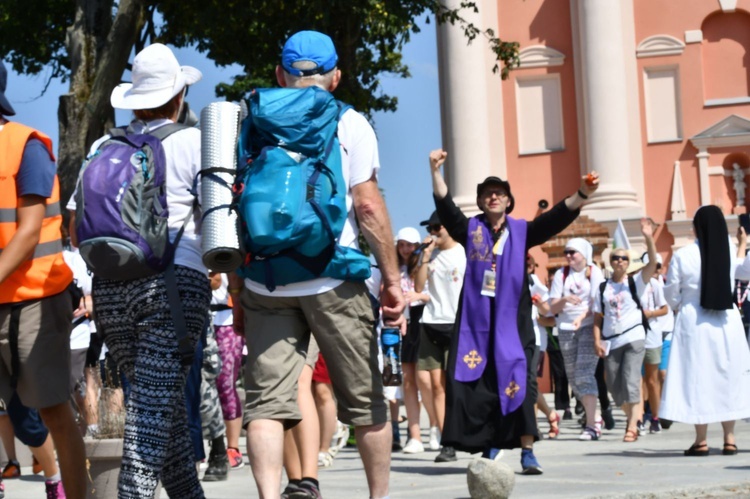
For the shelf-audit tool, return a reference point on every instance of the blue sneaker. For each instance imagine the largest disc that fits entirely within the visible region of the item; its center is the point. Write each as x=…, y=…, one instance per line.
x=529, y=463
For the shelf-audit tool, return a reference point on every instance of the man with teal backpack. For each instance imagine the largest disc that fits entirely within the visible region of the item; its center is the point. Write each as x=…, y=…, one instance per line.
x=308, y=167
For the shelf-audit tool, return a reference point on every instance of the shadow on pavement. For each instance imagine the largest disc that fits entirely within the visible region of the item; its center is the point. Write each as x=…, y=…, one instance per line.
x=429, y=470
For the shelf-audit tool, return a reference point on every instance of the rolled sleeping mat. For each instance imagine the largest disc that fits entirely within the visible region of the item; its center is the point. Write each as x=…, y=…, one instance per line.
x=220, y=240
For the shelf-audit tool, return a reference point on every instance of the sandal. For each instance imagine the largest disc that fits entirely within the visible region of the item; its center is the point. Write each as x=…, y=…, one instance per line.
x=630, y=436
x=554, y=428
x=697, y=450
x=729, y=449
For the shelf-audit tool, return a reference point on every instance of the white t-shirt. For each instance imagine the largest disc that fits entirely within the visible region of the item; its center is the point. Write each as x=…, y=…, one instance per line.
x=80, y=336
x=622, y=319
x=359, y=163
x=665, y=322
x=654, y=300
x=445, y=278
x=579, y=285
x=183, y=154
x=220, y=296
x=537, y=288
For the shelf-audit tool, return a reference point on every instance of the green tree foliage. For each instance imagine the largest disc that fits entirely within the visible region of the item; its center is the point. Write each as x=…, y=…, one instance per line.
x=369, y=36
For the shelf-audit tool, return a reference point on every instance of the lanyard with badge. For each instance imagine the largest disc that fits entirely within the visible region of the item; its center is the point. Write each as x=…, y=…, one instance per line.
x=488, y=280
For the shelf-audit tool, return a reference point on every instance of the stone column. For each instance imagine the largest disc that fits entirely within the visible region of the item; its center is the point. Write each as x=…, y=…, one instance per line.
x=604, y=74
x=471, y=107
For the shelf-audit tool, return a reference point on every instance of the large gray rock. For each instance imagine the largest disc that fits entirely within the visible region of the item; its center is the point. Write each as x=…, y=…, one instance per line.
x=489, y=479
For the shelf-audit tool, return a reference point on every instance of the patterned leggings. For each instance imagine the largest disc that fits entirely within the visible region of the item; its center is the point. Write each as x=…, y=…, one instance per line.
x=136, y=322
x=212, y=418
x=230, y=350
x=580, y=359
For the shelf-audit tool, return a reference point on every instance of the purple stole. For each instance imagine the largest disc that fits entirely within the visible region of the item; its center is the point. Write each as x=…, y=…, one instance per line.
x=474, y=326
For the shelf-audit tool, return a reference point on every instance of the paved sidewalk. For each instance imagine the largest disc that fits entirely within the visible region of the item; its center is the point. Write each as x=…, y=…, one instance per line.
x=652, y=467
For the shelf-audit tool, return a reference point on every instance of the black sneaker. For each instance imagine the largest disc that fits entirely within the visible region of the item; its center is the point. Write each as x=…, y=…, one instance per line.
x=447, y=455
x=665, y=423
x=218, y=468
x=609, y=419
x=567, y=415
x=579, y=408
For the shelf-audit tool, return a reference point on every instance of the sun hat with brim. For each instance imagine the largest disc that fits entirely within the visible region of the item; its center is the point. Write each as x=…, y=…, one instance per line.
x=311, y=47
x=636, y=262
x=157, y=77
x=409, y=234
x=5, y=108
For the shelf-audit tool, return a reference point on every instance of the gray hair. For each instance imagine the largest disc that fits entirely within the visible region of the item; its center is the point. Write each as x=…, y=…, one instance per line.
x=319, y=80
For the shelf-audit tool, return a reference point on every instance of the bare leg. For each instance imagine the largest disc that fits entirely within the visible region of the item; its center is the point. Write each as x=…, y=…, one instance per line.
x=45, y=455
x=307, y=432
x=8, y=437
x=326, y=406
x=234, y=428
x=292, y=464
x=71, y=454
x=437, y=382
x=541, y=405
x=633, y=413
x=654, y=388
x=728, y=427
x=589, y=405
x=411, y=399
x=701, y=431
x=425, y=389
x=374, y=445
x=265, y=446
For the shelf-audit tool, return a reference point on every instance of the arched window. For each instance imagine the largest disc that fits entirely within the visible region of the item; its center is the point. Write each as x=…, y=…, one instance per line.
x=726, y=56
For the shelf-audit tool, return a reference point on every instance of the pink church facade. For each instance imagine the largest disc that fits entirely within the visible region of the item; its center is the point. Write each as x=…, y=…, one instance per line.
x=652, y=94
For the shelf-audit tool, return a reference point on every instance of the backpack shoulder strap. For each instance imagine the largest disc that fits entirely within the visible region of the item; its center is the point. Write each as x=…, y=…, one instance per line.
x=165, y=131
x=637, y=300
x=634, y=292
x=602, y=287
x=566, y=273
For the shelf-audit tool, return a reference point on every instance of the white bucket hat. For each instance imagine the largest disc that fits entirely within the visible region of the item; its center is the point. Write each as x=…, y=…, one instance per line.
x=157, y=77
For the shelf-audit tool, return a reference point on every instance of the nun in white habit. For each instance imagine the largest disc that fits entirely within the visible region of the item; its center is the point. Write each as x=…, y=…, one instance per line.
x=709, y=365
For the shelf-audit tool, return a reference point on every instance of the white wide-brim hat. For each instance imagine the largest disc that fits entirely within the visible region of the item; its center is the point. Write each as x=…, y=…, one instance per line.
x=157, y=77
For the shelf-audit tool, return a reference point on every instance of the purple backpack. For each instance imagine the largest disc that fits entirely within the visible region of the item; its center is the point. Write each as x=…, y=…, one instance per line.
x=121, y=206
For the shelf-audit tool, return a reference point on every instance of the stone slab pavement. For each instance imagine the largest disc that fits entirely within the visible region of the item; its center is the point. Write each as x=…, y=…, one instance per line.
x=652, y=467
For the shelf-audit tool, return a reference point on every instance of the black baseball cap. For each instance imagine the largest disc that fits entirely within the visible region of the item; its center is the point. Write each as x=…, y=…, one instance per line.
x=489, y=181
x=433, y=220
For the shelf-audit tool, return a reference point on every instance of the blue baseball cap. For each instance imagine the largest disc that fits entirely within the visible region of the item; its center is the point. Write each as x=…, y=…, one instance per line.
x=309, y=46
x=5, y=108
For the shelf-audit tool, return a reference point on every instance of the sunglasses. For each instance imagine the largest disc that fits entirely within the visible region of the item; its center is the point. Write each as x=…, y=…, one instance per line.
x=434, y=228
x=619, y=258
x=569, y=252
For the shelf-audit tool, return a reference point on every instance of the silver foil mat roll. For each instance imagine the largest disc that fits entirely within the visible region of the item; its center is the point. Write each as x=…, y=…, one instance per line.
x=220, y=241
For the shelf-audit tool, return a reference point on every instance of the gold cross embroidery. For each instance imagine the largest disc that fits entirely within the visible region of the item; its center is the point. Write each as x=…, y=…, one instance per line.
x=472, y=359
x=512, y=389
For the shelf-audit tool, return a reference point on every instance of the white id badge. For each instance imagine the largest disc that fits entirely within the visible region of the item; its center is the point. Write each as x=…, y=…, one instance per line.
x=488, y=284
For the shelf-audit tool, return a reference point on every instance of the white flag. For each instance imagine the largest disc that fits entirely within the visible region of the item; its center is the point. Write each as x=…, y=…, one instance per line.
x=620, y=239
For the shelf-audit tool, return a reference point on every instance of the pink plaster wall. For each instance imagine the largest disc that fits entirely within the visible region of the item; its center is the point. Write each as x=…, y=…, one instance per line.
x=541, y=176
x=698, y=80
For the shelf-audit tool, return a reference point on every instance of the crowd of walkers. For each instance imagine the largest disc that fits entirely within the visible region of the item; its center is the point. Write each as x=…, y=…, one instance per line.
x=477, y=323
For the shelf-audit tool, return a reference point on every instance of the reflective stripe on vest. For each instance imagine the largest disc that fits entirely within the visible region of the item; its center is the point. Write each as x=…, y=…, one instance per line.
x=8, y=215
x=45, y=272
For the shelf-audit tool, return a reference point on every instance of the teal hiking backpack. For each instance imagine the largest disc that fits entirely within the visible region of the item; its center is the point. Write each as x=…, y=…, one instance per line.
x=292, y=192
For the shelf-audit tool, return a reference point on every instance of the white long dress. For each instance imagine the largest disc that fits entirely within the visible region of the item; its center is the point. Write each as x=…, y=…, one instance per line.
x=708, y=379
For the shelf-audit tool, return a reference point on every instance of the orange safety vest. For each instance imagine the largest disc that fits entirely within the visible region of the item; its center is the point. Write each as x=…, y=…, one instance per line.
x=45, y=273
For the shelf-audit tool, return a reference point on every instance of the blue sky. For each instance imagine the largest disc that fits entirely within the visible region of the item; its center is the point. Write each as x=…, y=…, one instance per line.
x=405, y=137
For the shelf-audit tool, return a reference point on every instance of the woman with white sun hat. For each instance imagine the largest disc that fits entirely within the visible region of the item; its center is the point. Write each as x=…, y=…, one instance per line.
x=135, y=317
